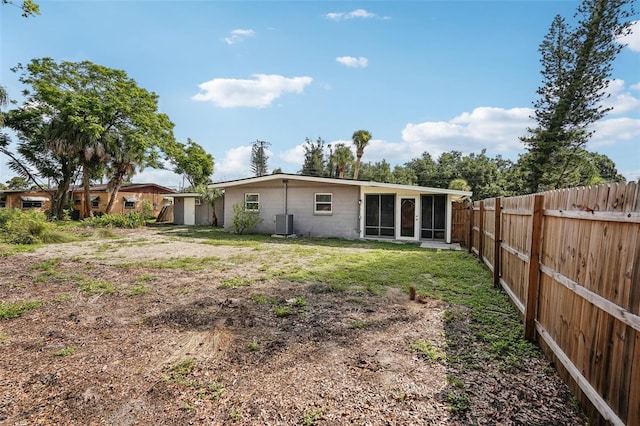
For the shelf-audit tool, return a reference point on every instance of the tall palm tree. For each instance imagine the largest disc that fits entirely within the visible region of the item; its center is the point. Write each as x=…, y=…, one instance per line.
x=342, y=156
x=360, y=139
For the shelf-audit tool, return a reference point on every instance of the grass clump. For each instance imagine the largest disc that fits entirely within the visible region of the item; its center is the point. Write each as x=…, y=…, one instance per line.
x=14, y=310
x=139, y=290
x=428, y=351
x=69, y=350
x=92, y=287
x=309, y=418
x=235, y=282
x=282, y=311
x=360, y=324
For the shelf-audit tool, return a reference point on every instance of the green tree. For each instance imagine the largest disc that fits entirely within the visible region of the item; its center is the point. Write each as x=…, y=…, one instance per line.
x=360, y=139
x=342, y=157
x=459, y=185
x=314, y=162
x=28, y=7
x=423, y=170
x=403, y=175
x=259, y=157
x=83, y=116
x=193, y=162
x=18, y=182
x=576, y=68
x=209, y=196
x=377, y=172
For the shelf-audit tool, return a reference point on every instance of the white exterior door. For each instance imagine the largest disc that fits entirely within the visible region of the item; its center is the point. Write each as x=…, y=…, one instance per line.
x=189, y=211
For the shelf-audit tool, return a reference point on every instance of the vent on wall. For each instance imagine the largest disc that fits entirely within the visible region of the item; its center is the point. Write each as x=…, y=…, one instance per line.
x=284, y=224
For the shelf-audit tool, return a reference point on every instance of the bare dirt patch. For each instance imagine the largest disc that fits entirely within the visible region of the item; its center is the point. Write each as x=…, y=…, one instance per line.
x=181, y=345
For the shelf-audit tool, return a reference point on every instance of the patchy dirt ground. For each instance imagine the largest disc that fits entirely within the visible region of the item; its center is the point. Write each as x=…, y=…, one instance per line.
x=164, y=343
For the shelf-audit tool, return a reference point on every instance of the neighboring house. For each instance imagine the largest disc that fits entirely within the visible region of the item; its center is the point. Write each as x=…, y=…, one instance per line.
x=189, y=209
x=131, y=197
x=327, y=207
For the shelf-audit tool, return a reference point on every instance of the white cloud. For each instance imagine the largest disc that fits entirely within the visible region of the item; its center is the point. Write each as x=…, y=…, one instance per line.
x=294, y=155
x=635, y=86
x=610, y=131
x=632, y=40
x=162, y=177
x=257, y=93
x=620, y=100
x=236, y=164
x=354, y=14
x=351, y=62
x=496, y=129
x=239, y=35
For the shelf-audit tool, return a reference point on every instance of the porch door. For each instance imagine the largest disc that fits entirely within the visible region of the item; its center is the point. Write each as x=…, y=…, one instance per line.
x=408, y=217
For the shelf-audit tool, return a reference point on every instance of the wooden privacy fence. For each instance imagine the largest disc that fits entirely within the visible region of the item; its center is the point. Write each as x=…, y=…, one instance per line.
x=570, y=262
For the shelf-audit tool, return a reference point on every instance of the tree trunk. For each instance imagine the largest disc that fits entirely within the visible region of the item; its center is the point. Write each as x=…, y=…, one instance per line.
x=115, y=183
x=87, y=197
x=356, y=170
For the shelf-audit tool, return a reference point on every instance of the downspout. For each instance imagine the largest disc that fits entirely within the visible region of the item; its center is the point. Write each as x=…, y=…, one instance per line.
x=285, y=187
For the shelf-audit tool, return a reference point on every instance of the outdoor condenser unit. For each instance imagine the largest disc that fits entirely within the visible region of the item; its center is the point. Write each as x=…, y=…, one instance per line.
x=284, y=224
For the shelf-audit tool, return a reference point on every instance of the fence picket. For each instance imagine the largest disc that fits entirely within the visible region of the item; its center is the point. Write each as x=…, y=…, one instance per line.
x=570, y=260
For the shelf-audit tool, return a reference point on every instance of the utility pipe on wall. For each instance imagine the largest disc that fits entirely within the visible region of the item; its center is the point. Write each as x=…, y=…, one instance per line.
x=285, y=187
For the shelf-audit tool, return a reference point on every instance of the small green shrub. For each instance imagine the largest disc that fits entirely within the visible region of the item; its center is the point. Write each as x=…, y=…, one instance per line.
x=282, y=311
x=27, y=227
x=130, y=220
x=244, y=221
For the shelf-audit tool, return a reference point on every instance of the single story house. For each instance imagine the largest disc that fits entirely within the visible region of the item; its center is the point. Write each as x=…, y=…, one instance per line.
x=131, y=197
x=328, y=207
x=189, y=209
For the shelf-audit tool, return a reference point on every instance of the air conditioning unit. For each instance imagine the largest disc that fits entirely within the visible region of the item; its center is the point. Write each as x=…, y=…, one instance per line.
x=284, y=224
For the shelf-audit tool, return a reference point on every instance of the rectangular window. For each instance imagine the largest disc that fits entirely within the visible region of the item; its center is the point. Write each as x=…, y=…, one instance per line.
x=31, y=204
x=77, y=201
x=252, y=202
x=323, y=203
x=130, y=202
x=95, y=202
x=3, y=201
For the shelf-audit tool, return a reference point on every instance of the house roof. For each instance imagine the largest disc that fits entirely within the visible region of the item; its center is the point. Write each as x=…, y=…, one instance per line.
x=185, y=195
x=335, y=181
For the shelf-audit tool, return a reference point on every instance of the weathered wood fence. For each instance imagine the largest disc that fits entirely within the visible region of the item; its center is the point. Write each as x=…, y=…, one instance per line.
x=570, y=262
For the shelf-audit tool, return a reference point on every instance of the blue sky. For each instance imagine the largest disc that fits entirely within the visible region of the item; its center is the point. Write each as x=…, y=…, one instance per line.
x=419, y=75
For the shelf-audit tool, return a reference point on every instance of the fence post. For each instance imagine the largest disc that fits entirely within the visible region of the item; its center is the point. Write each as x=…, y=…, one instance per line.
x=497, y=241
x=470, y=233
x=531, y=309
x=481, y=233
